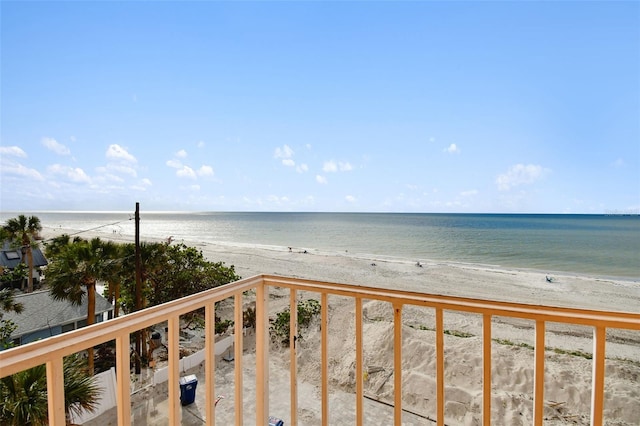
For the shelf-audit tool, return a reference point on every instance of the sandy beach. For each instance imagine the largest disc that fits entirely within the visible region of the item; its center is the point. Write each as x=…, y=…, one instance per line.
x=567, y=393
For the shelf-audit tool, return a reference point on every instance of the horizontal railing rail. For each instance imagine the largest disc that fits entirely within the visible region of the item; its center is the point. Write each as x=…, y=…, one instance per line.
x=51, y=351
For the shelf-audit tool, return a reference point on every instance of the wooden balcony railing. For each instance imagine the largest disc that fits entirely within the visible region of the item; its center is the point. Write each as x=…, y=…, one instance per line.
x=51, y=351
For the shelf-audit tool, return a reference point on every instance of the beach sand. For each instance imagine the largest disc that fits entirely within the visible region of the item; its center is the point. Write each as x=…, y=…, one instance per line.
x=568, y=377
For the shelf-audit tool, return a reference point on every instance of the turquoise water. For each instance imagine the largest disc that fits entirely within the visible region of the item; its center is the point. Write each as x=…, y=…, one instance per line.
x=585, y=244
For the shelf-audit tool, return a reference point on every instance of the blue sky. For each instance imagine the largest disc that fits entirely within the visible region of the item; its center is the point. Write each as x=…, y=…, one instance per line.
x=321, y=106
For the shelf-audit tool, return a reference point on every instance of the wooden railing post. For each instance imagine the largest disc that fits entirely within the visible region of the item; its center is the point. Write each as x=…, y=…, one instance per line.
x=486, y=370
x=439, y=367
x=237, y=358
x=359, y=365
x=597, y=390
x=123, y=379
x=210, y=363
x=173, y=341
x=55, y=390
x=324, y=321
x=538, y=381
x=262, y=354
x=293, y=358
x=397, y=364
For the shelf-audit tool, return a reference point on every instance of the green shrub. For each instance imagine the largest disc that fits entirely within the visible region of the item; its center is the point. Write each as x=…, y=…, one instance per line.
x=223, y=326
x=249, y=318
x=279, y=328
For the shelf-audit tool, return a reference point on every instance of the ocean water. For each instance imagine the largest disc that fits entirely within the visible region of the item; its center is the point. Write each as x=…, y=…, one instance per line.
x=598, y=245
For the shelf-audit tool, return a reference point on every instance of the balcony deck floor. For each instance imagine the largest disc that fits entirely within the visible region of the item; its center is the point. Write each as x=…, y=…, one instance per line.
x=150, y=406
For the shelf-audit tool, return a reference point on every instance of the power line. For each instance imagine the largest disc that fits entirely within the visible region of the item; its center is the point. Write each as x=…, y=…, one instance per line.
x=88, y=230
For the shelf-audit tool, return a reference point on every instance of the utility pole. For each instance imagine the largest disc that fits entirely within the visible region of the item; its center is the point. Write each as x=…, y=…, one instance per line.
x=138, y=290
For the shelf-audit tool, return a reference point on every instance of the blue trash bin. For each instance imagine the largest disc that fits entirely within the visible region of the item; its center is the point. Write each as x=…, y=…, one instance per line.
x=188, y=386
x=274, y=421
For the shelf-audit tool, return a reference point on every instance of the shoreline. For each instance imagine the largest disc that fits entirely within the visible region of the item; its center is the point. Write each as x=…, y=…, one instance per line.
x=447, y=278
x=236, y=248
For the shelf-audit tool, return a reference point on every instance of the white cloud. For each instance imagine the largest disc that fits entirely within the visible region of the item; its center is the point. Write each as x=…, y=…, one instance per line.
x=332, y=166
x=174, y=164
x=55, y=146
x=205, y=171
x=302, y=168
x=73, y=174
x=520, y=174
x=142, y=185
x=181, y=154
x=321, y=179
x=350, y=198
x=10, y=167
x=116, y=152
x=13, y=151
x=469, y=193
x=345, y=167
x=452, y=149
x=284, y=152
x=113, y=178
x=200, y=144
x=186, y=172
x=277, y=200
x=122, y=168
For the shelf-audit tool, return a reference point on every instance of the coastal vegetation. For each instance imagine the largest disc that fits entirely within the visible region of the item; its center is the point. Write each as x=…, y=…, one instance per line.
x=307, y=310
x=20, y=232
x=78, y=266
x=168, y=272
x=7, y=327
x=24, y=394
x=24, y=232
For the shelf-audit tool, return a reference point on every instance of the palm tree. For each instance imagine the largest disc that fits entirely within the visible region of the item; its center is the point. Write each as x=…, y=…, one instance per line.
x=113, y=272
x=25, y=230
x=74, y=272
x=7, y=327
x=56, y=245
x=23, y=396
x=8, y=303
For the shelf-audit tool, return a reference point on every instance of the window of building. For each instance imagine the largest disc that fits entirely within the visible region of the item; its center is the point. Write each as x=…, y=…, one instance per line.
x=13, y=255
